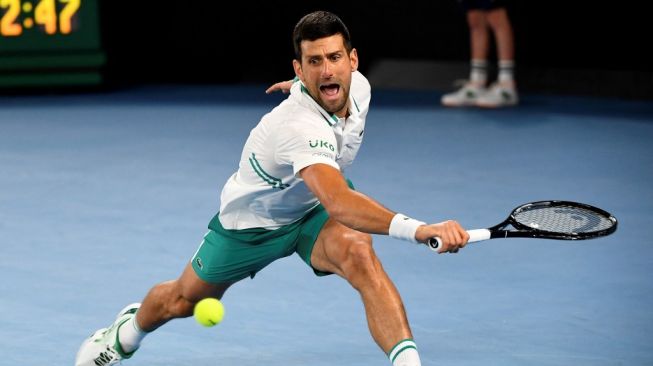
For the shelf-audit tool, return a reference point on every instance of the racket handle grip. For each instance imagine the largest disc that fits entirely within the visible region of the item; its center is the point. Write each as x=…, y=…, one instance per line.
x=474, y=235
x=478, y=235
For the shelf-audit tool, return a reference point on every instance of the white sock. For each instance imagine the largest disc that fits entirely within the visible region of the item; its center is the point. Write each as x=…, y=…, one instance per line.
x=478, y=73
x=130, y=335
x=404, y=354
x=506, y=71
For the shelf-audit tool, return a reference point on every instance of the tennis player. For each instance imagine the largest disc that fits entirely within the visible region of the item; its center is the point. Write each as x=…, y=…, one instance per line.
x=289, y=196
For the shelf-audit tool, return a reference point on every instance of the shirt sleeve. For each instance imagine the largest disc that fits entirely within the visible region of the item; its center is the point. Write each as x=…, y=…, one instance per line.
x=302, y=144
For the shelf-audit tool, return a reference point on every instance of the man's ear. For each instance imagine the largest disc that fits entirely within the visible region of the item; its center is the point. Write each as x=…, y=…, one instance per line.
x=353, y=59
x=298, y=69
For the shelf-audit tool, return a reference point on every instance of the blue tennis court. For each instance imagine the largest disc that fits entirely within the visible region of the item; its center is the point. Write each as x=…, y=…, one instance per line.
x=104, y=195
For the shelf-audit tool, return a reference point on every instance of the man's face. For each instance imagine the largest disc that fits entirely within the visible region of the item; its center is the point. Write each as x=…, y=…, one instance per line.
x=325, y=70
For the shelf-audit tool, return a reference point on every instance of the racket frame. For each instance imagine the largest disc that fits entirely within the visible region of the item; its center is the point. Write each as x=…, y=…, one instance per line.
x=525, y=231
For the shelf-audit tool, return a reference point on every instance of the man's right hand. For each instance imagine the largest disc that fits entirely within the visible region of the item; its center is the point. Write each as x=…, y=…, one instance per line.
x=453, y=236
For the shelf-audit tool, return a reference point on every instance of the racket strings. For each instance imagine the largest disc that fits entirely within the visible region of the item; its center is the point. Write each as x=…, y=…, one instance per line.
x=564, y=219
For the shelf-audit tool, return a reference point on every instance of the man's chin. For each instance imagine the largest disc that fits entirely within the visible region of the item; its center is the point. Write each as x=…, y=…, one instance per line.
x=334, y=106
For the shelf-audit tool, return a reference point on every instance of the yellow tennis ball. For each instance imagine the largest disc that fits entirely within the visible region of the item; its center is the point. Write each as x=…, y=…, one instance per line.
x=209, y=312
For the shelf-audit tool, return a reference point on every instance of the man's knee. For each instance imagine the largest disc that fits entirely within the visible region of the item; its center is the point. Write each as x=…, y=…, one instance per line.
x=189, y=289
x=183, y=307
x=361, y=263
x=172, y=301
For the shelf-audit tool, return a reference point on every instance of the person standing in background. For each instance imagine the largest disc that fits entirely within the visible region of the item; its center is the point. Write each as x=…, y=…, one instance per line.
x=483, y=17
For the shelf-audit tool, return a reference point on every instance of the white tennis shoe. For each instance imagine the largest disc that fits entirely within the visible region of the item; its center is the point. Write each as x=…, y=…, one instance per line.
x=463, y=97
x=498, y=95
x=103, y=348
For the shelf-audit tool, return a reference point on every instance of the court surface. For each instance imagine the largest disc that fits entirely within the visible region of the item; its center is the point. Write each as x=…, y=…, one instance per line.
x=104, y=195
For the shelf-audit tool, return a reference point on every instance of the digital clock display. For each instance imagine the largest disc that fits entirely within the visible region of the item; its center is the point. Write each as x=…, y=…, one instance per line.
x=44, y=13
x=49, y=42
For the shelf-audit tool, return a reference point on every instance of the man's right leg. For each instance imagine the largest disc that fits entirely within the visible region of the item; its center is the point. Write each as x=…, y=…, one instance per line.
x=504, y=92
x=165, y=301
x=479, y=44
x=349, y=254
x=479, y=34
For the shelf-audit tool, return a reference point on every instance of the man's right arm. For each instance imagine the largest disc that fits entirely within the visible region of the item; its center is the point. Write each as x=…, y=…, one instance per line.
x=360, y=212
x=351, y=208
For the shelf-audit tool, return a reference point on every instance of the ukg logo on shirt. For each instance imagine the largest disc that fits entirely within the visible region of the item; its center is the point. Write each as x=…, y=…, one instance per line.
x=320, y=144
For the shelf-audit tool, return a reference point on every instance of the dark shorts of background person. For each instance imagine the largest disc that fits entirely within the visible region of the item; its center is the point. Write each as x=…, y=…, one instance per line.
x=482, y=4
x=227, y=256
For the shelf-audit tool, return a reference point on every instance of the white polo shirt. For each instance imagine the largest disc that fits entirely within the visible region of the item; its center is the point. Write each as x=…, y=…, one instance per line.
x=267, y=191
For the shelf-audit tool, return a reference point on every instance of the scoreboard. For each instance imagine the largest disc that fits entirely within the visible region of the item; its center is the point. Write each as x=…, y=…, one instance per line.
x=50, y=43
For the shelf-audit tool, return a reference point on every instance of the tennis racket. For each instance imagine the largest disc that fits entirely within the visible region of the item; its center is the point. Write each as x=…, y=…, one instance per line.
x=561, y=220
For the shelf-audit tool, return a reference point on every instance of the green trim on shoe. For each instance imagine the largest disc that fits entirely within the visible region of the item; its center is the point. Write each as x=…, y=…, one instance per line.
x=118, y=347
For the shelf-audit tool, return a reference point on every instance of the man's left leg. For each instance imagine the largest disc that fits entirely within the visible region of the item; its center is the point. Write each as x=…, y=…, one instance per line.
x=349, y=253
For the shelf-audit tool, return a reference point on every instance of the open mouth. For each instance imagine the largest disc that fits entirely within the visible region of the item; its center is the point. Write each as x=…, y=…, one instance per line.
x=330, y=90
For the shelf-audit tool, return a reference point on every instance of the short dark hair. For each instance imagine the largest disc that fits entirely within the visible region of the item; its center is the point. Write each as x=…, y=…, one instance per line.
x=316, y=25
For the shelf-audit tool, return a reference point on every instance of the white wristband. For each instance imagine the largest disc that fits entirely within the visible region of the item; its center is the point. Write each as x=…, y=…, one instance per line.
x=404, y=228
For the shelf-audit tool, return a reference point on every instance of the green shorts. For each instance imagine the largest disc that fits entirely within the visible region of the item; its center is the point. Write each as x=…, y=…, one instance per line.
x=231, y=255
